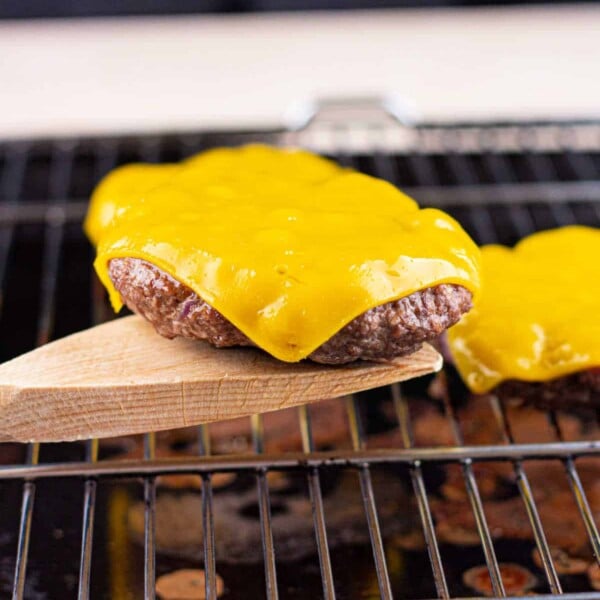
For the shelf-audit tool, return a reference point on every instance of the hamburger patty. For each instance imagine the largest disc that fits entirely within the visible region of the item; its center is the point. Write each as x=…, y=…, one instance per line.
x=580, y=389
x=381, y=333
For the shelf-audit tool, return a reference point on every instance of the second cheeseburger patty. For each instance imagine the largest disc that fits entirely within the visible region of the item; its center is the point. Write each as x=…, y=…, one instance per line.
x=581, y=389
x=533, y=334
x=381, y=333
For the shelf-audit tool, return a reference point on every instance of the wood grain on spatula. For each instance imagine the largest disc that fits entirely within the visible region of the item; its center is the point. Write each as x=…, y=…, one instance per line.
x=122, y=377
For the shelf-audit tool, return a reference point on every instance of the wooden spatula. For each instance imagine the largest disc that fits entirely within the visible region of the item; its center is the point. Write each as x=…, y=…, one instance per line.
x=122, y=377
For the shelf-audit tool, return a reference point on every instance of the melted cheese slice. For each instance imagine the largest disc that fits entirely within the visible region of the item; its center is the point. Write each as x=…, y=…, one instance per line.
x=288, y=246
x=537, y=317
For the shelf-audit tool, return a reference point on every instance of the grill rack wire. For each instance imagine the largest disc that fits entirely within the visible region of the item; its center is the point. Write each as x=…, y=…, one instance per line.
x=561, y=202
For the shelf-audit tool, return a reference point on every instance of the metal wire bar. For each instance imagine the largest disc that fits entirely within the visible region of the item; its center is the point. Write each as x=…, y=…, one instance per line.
x=578, y=492
x=482, y=221
x=208, y=526
x=11, y=177
x=512, y=136
x=506, y=193
x=476, y=505
x=418, y=483
x=584, y=506
x=87, y=533
x=502, y=170
x=89, y=510
x=149, y=523
x=582, y=165
x=24, y=537
x=529, y=501
x=520, y=219
x=540, y=166
x=105, y=157
x=316, y=499
x=384, y=166
x=299, y=460
x=264, y=505
x=423, y=169
x=480, y=218
x=150, y=149
x=51, y=258
x=461, y=168
x=538, y=531
x=366, y=488
x=40, y=212
x=28, y=497
x=11, y=184
x=60, y=176
x=544, y=170
x=191, y=144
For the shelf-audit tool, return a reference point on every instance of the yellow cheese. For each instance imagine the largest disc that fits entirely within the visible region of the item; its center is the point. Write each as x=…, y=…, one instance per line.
x=288, y=246
x=117, y=189
x=537, y=316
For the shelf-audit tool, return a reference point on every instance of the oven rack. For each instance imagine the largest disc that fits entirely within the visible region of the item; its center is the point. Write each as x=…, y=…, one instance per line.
x=562, y=187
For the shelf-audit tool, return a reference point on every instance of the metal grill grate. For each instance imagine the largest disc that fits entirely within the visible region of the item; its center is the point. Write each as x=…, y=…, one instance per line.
x=500, y=181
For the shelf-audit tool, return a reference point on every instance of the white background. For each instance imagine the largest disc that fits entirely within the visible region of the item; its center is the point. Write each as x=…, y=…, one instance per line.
x=68, y=77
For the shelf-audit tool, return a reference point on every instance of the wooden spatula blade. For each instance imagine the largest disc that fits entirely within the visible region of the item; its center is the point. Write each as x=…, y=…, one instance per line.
x=122, y=378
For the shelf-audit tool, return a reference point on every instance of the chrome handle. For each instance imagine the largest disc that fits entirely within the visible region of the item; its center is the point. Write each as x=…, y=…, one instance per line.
x=373, y=111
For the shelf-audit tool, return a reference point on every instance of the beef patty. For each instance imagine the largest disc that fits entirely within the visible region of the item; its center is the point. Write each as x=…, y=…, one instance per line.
x=580, y=389
x=577, y=390
x=381, y=333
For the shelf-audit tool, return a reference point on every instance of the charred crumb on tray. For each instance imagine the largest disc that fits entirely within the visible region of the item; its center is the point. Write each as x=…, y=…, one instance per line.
x=517, y=580
x=384, y=332
x=186, y=584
